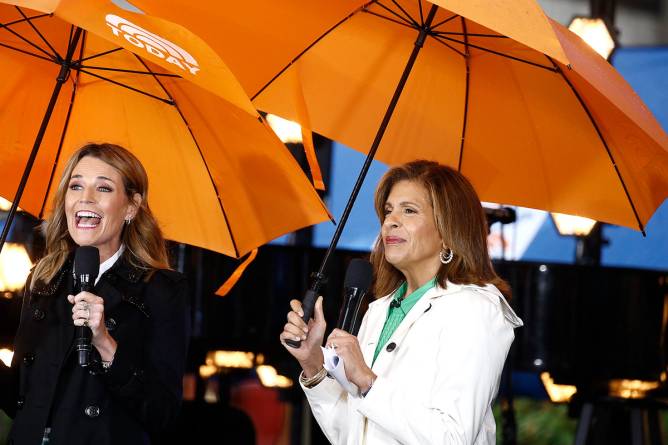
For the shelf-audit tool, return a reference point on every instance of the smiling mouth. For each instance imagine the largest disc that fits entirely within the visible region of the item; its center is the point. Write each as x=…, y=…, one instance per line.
x=85, y=219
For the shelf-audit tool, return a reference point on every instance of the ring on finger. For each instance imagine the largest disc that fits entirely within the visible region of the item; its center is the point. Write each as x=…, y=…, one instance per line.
x=85, y=322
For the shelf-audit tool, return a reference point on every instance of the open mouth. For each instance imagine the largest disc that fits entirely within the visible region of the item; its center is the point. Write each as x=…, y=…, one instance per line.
x=85, y=219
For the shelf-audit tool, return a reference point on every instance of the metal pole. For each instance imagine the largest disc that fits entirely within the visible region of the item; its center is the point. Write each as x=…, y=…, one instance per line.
x=318, y=278
x=64, y=73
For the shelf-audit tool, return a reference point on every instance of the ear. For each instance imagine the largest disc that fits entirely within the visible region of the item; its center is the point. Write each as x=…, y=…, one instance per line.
x=133, y=206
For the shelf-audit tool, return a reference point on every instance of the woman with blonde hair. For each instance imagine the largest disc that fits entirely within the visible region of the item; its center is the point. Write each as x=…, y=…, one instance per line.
x=136, y=313
x=430, y=351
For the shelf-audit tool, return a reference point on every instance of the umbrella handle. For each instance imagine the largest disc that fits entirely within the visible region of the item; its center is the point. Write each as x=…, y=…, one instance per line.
x=308, y=303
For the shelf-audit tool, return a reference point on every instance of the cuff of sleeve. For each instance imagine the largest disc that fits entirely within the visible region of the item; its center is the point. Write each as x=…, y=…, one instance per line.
x=327, y=388
x=374, y=397
x=121, y=370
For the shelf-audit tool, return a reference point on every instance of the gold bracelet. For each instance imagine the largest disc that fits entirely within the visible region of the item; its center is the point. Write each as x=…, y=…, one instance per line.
x=310, y=382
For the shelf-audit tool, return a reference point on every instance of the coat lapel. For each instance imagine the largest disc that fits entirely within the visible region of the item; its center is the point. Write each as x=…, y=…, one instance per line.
x=423, y=306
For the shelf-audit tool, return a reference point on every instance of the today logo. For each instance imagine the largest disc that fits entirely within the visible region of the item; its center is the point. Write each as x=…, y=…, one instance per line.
x=152, y=43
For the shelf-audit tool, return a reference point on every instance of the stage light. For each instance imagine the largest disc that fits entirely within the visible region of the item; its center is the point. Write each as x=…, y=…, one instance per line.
x=6, y=356
x=271, y=379
x=231, y=359
x=572, y=225
x=595, y=33
x=631, y=389
x=557, y=393
x=287, y=131
x=15, y=267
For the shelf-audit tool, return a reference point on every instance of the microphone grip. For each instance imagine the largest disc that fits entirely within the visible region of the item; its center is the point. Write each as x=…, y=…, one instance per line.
x=82, y=345
x=308, y=304
x=82, y=341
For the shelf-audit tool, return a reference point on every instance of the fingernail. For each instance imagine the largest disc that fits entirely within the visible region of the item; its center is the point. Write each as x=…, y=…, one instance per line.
x=297, y=339
x=305, y=329
x=301, y=314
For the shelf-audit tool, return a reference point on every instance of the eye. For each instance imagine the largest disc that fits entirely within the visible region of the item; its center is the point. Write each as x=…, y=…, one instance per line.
x=409, y=210
x=75, y=186
x=104, y=188
x=387, y=211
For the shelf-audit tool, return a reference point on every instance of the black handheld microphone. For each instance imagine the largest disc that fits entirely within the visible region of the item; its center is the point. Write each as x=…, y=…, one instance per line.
x=355, y=286
x=86, y=268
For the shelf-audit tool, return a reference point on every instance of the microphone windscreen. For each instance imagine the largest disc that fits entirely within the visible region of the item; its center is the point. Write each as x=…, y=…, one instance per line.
x=359, y=274
x=87, y=262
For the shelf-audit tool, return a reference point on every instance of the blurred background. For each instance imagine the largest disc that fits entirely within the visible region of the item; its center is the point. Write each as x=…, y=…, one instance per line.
x=591, y=358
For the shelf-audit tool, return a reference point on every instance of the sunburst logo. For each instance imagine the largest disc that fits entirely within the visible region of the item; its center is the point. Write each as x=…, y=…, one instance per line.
x=152, y=43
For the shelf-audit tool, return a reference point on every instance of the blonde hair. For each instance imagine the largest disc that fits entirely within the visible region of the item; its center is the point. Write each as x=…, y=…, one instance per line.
x=459, y=219
x=143, y=240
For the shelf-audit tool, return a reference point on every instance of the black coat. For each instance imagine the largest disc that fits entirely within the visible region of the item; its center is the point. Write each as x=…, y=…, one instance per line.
x=138, y=395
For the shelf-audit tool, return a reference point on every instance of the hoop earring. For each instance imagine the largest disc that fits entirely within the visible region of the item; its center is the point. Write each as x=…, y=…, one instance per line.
x=446, y=257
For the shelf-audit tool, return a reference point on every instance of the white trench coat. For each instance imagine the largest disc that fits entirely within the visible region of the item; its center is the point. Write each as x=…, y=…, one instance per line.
x=438, y=383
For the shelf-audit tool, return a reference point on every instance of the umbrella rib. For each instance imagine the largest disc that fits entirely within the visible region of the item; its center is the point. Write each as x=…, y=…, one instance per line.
x=48, y=59
x=121, y=70
x=65, y=125
x=389, y=18
x=99, y=54
x=466, y=96
x=538, y=65
x=322, y=36
x=443, y=22
x=438, y=39
x=419, y=2
x=408, y=21
x=27, y=18
x=120, y=84
x=199, y=150
x=603, y=141
x=34, y=45
x=408, y=16
x=444, y=33
x=41, y=36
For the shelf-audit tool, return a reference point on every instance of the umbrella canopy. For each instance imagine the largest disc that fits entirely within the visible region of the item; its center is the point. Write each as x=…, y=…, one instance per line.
x=523, y=107
x=220, y=178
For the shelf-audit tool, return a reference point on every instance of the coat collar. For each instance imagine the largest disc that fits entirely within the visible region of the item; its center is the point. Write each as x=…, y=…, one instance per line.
x=121, y=269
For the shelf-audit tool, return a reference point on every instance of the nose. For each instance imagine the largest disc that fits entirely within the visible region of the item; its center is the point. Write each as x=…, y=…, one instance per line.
x=87, y=195
x=391, y=220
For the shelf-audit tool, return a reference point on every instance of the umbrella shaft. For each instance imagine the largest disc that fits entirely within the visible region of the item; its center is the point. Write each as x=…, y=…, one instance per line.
x=419, y=42
x=62, y=77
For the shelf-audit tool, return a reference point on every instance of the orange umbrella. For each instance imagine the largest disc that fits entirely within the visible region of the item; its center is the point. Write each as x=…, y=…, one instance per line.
x=526, y=110
x=220, y=179
x=521, y=105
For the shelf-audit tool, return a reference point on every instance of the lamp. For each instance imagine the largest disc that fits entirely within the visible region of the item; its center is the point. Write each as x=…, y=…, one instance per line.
x=572, y=225
x=6, y=356
x=596, y=33
x=588, y=233
x=288, y=132
x=598, y=30
x=15, y=267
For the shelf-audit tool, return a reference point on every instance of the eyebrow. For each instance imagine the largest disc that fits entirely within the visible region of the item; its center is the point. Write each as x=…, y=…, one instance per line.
x=99, y=177
x=404, y=203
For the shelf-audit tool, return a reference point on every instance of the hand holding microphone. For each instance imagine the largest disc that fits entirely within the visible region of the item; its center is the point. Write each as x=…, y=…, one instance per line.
x=88, y=309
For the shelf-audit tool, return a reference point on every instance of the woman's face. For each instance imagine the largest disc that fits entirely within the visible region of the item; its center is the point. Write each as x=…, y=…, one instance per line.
x=96, y=206
x=410, y=237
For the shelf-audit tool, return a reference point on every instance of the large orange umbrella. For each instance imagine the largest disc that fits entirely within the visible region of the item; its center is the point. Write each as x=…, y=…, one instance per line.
x=220, y=179
x=519, y=104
